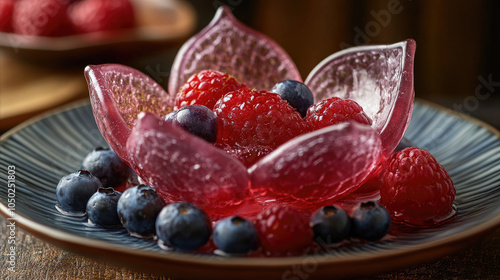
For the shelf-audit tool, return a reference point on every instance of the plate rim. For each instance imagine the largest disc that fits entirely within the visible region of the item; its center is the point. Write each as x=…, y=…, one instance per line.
x=87, y=246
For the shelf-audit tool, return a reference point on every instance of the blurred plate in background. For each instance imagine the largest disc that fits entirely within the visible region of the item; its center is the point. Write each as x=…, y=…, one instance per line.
x=159, y=23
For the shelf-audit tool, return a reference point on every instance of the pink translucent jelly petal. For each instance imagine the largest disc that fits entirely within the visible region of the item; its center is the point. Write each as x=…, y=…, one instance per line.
x=229, y=46
x=379, y=78
x=118, y=93
x=184, y=167
x=323, y=165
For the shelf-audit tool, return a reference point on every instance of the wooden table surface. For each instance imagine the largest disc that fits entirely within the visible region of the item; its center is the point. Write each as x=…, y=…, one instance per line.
x=37, y=259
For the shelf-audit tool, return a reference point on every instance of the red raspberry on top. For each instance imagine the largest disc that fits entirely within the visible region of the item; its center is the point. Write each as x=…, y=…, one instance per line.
x=98, y=15
x=335, y=110
x=283, y=230
x=206, y=88
x=41, y=18
x=417, y=190
x=250, y=117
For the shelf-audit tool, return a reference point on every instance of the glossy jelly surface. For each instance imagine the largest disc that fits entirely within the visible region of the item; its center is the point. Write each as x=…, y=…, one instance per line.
x=183, y=167
x=118, y=94
x=379, y=78
x=320, y=166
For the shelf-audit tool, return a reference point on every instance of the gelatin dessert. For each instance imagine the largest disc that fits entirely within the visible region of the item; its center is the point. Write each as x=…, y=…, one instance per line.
x=247, y=156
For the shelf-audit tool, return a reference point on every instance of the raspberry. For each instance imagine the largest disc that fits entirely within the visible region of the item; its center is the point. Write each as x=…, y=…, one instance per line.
x=417, y=190
x=248, y=155
x=335, y=110
x=250, y=117
x=98, y=15
x=283, y=230
x=6, y=11
x=41, y=17
x=206, y=88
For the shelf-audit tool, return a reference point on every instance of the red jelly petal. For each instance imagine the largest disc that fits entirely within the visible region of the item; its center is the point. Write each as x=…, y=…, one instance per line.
x=323, y=165
x=184, y=167
x=379, y=78
x=229, y=46
x=118, y=94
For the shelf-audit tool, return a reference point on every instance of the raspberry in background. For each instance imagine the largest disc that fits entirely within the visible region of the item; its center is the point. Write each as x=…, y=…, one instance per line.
x=41, y=18
x=6, y=11
x=335, y=110
x=251, y=117
x=101, y=15
x=206, y=88
x=417, y=190
x=283, y=230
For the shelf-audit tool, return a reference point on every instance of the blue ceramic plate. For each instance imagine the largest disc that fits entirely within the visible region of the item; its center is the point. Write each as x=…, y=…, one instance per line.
x=46, y=148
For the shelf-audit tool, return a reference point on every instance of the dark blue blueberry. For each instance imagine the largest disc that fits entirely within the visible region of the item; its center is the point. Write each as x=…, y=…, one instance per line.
x=75, y=189
x=370, y=221
x=403, y=144
x=101, y=207
x=183, y=226
x=297, y=94
x=196, y=119
x=106, y=165
x=235, y=235
x=330, y=224
x=138, y=208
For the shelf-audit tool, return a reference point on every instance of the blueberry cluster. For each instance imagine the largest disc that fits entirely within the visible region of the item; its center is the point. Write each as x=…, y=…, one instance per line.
x=90, y=190
x=141, y=211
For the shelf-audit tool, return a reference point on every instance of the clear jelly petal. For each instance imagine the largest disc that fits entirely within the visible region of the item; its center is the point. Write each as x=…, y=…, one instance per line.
x=118, y=94
x=379, y=78
x=323, y=165
x=183, y=167
x=227, y=45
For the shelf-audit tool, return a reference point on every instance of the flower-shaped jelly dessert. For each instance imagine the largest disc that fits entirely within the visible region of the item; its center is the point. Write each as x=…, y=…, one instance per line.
x=311, y=169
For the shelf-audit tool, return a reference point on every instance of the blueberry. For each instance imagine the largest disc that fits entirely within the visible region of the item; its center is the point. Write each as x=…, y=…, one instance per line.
x=330, y=224
x=75, y=189
x=370, y=221
x=138, y=208
x=235, y=235
x=403, y=144
x=107, y=166
x=183, y=226
x=101, y=207
x=297, y=94
x=196, y=119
